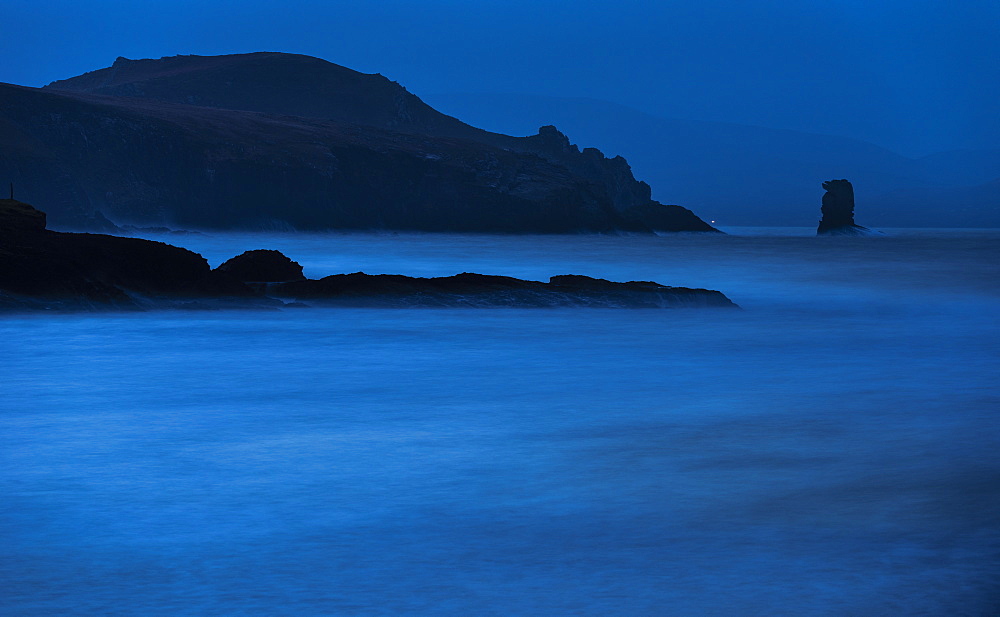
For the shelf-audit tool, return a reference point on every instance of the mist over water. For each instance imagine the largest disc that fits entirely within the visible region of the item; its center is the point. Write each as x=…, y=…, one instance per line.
x=829, y=450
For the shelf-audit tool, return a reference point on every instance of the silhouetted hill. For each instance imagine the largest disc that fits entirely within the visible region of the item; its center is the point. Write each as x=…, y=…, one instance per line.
x=272, y=83
x=294, y=85
x=145, y=162
x=745, y=175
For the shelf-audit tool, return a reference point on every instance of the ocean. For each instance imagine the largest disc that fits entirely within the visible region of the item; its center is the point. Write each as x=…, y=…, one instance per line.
x=831, y=449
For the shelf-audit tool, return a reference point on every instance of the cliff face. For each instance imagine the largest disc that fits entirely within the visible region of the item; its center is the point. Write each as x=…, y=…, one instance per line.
x=631, y=198
x=321, y=94
x=150, y=163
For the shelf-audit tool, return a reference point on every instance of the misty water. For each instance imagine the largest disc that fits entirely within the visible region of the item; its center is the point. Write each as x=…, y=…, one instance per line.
x=831, y=449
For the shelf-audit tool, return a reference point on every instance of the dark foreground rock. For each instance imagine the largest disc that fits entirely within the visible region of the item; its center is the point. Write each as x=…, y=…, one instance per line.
x=16, y=216
x=43, y=269
x=47, y=270
x=481, y=290
x=262, y=265
x=838, y=210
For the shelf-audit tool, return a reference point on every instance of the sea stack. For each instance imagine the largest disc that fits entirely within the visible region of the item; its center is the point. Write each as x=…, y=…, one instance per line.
x=838, y=210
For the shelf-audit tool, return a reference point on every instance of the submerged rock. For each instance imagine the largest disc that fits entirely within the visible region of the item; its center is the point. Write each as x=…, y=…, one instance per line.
x=838, y=210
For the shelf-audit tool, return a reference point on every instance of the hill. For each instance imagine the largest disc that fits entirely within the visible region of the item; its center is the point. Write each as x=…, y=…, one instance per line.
x=274, y=140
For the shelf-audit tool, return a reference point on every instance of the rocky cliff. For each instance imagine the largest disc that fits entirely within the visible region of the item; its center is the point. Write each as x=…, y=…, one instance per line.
x=144, y=162
x=328, y=148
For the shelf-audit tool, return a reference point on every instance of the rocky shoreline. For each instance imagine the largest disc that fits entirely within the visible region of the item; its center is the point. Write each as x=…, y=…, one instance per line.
x=44, y=270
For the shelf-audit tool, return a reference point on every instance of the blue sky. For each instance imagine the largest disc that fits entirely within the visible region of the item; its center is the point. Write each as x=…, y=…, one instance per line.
x=916, y=76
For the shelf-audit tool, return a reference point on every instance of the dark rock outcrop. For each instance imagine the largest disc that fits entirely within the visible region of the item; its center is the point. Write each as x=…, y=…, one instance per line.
x=42, y=269
x=632, y=199
x=659, y=217
x=838, y=210
x=48, y=270
x=16, y=216
x=271, y=140
x=480, y=290
x=262, y=265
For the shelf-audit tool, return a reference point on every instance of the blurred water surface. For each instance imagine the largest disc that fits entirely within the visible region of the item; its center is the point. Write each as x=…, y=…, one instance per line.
x=832, y=449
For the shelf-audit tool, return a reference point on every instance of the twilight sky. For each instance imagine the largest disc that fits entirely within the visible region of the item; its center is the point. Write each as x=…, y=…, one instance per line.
x=916, y=76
